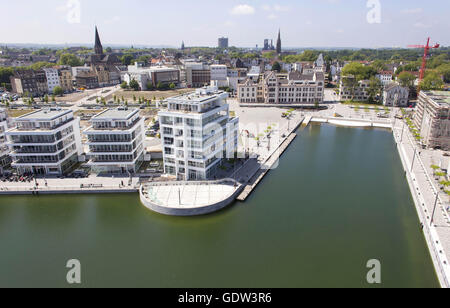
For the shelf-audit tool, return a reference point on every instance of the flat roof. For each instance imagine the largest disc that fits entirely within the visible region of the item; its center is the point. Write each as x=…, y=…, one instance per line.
x=440, y=97
x=117, y=113
x=45, y=114
x=197, y=97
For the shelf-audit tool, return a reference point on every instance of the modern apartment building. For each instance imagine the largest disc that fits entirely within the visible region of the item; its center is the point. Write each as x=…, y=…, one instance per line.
x=4, y=151
x=197, y=134
x=116, y=141
x=219, y=75
x=353, y=90
x=52, y=77
x=29, y=82
x=45, y=142
x=432, y=118
x=223, y=42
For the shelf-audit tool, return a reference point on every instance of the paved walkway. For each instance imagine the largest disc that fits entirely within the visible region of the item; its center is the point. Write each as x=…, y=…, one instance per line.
x=424, y=190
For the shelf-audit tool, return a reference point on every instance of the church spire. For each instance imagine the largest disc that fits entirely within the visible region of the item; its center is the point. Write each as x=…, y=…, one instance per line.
x=98, y=44
x=279, y=42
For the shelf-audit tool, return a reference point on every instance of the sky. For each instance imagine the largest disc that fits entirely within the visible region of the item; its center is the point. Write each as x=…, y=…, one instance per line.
x=303, y=23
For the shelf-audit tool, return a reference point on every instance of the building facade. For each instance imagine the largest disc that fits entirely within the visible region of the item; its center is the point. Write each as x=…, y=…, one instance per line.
x=52, y=77
x=395, y=95
x=5, y=160
x=197, y=134
x=45, y=142
x=197, y=75
x=223, y=42
x=116, y=141
x=432, y=118
x=65, y=78
x=350, y=89
x=29, y=82
x=219, y=74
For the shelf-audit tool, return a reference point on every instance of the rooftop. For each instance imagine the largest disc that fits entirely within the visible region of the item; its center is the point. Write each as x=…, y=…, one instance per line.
x=199, y=96
x=45, y=114
x=440, y=97
x=116, y=114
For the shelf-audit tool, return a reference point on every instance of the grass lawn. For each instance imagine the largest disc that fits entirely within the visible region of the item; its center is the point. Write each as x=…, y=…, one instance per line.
x=14, y=113
x=149, y=95
x=361, y=104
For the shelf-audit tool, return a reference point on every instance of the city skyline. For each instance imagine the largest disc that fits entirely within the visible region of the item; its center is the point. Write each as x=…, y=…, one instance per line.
x=303, y=24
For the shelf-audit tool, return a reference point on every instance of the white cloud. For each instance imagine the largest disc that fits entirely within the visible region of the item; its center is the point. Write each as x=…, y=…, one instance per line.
x=276, y=8
x=272, y=16
x=243, y=9
x=421, y=25
x=412, y=11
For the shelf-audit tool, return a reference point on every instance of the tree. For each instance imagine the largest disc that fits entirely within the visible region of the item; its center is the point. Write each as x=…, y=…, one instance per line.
x=150, y=86
x=58, y=91
x=374, y=90
x=127, y=59
x=108, y=49
x=69, y=59
x=172, y=86
x=432, y=81
x=134, y=85
x=53, y=98
x=359, y=71
x=124, y=85
x=276, y=67
x=46, y=98
x=406, y=79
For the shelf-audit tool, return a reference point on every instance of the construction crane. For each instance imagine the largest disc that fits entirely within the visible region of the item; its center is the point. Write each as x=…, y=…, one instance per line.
x=427, y=49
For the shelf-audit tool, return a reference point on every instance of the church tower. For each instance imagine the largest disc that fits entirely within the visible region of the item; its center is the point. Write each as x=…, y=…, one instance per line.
x=98, y=44
x=279, y=42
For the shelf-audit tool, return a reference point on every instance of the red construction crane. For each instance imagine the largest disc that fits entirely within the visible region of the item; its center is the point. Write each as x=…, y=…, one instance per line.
x=427, y=49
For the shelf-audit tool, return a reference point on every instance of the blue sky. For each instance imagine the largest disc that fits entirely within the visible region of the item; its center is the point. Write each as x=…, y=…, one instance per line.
x=304, y=23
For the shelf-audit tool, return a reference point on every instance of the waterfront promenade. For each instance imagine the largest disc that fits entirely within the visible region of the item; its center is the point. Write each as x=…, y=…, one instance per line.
x=431, y=204
x=92, y=184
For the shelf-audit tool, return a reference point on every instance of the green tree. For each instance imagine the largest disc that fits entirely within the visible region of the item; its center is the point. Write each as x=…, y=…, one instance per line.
x=134, y=85
x=374, y=90
x=432, y=81
x=127, y=59
x=46, y=98
x=172, y=86
x=124, y=85
x=69, y=59
x=58, y=91
x=276, y=67
x=406, y=79
x=150, y=86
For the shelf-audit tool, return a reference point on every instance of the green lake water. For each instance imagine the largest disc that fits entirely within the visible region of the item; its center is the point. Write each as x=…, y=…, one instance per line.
x=338, y=199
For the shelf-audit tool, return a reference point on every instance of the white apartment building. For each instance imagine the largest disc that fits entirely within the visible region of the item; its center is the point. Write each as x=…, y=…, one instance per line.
x=197, y=134
x=385, y=77
x=219, y=75
x=45, y=142
x=116, y=141
x=52, y=78
x=4, y=151
x=251, y=92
